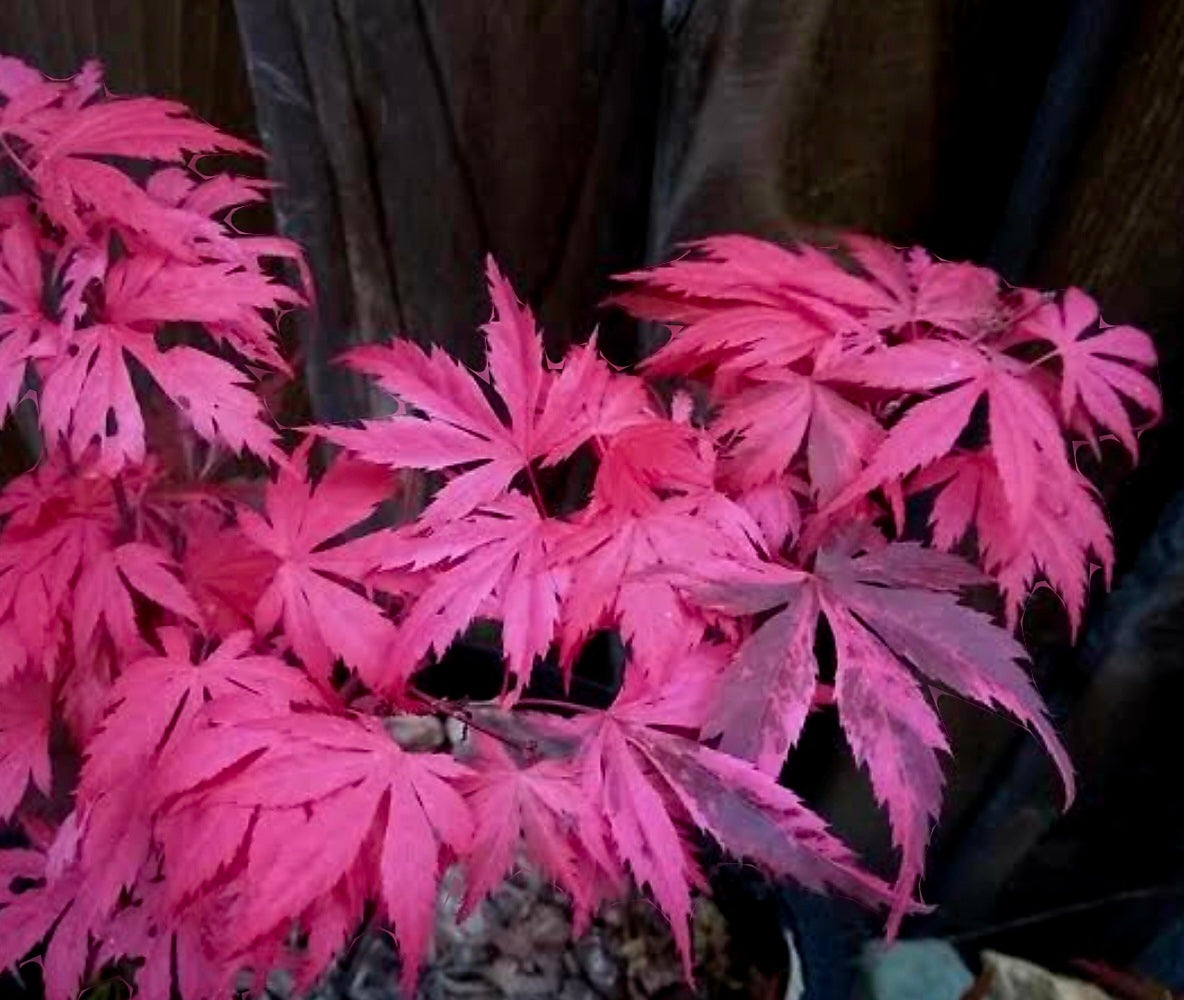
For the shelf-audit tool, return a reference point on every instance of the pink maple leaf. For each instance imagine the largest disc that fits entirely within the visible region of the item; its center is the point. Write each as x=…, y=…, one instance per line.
x=651, y=784
x=224, y=570
x=895, y=616
x=56, y=525
x=331, y=793
x=500, y=558
x=25, y=331
x=1066, y=530
x=60, y=130
x=549, y=414
x=315, y=592
x=651, y=459
x=156, y=699
x=28, y=916
x=774, y=417
x=1024, y=434
x=619, y=558
x=542, y=806
x=103, y=594
x=26, y=705
x=88, y=397
x=958, y=297
x=1100, y=364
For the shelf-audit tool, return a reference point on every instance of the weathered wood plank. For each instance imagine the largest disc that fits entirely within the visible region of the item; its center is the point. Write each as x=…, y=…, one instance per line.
x=436, y=134
x=178, y=48
x=305, y=203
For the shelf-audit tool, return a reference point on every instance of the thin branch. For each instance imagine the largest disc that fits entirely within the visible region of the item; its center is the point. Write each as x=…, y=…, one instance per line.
x=569, y=706
x=1065, y=911
x=465, y=715
x=535, y=492
x=21, y=165
x=126, y=516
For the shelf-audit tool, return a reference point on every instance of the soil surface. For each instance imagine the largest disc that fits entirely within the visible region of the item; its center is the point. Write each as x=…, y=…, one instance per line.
x=519, y=945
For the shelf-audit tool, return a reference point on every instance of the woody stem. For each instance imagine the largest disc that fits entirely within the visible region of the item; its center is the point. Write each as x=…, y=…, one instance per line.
x=466, y=716
x=21, y=165
x=535, y=492
x=1047, y=356
x=126, y=517
x=552, y=703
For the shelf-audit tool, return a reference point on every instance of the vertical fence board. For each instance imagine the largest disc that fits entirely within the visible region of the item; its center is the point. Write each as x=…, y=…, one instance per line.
x=421, y=137
x=186, y=49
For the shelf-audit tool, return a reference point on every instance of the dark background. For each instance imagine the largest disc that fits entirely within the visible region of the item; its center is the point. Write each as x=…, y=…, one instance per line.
x=578, y=138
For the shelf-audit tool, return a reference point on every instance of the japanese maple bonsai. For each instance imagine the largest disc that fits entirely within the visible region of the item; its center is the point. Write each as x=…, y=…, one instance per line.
x=228, y=655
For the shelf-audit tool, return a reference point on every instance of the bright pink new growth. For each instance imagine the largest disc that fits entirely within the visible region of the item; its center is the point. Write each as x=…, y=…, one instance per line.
x=231, y=659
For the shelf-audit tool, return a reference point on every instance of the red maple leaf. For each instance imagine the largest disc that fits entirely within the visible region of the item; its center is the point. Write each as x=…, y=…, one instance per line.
x=542, y=806
x=548, y=414
x=1100, y=364
x=1065, y=532
x=26, y=707
x=652, y=785
x=619, y=559
x=896, y=619
x=1024, y=434
x=497, y=560
x=957, y=297
x=316, y=593
x=330, y=794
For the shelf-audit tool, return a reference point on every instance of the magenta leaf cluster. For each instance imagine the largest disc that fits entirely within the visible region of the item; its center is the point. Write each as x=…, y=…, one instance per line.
x=228, y=657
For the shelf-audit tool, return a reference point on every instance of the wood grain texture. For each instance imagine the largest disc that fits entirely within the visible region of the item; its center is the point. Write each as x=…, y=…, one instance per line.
x=1120, y=225
x=1118, y=230
x=414, y=138
x=186, y=49
x=896, y=117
